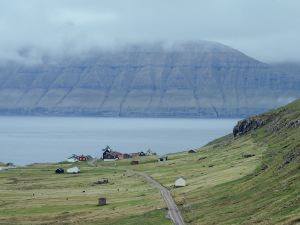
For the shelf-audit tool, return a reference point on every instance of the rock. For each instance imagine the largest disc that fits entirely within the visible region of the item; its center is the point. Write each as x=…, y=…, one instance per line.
x=252, y=123
x=292, y=156
x=293, y=123
x=248, y=155
x=202, y=158
x=264, y=166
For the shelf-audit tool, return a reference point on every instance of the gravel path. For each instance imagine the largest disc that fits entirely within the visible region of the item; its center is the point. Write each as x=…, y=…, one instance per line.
x=173, y=210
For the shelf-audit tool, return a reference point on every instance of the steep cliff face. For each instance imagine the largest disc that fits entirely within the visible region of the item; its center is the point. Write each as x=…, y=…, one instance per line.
x=195, y=79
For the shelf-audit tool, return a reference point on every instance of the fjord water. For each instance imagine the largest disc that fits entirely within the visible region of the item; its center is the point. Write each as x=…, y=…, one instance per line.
x=25, y=140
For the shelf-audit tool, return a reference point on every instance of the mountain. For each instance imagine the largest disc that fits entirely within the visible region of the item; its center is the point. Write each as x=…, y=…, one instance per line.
x=287, y=67
x=191, y=79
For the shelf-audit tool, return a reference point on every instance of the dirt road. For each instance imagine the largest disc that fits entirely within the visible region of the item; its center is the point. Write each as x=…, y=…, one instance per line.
x=173, y=210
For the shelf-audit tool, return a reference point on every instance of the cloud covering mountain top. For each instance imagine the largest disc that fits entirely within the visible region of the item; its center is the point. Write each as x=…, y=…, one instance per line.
x=267, y=30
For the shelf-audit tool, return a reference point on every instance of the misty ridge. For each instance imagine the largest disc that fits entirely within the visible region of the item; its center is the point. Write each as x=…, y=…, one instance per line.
x=146, y=79
x=139, y=58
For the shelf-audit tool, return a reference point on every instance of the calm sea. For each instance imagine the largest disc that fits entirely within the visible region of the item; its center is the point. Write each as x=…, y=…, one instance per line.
x=25, y=140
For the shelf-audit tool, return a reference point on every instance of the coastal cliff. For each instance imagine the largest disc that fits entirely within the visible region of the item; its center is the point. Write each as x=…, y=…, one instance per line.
x=192, y=79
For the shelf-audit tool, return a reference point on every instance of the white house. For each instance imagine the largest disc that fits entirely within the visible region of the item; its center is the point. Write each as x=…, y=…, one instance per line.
x=73, y=170
x=180, y=182
x=72, y=160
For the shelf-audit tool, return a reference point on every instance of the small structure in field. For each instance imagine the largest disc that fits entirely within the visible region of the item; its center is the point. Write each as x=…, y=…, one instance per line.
x=82, y=158
x=192, y=151
x=101, y=201
x=135, y=155
x=142, y=154
x=134, y=162
x=59, y=170
x=162, y=159
x=110, y=155
x=8, y=166
x=150, y=152
x=103, y=181
x=73, y=170
x=72, y=159
x=180, y=182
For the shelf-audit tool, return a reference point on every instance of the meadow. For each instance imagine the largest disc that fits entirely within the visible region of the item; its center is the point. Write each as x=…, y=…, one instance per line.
x=248, y=179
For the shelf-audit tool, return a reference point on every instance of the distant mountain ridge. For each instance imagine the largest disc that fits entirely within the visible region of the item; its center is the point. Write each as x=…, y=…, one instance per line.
x=192, y=79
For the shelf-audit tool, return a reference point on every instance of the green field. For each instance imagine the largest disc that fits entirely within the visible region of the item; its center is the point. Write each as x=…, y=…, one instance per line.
x=36, y=195
x=224, y=187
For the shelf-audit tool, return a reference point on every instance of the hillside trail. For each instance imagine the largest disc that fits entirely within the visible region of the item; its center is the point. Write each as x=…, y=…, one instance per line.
x=173, y=211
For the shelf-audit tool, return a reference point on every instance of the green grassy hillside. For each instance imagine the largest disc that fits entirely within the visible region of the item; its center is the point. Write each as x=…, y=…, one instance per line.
x=36, y=195
x=227, y=187
x=250, y=178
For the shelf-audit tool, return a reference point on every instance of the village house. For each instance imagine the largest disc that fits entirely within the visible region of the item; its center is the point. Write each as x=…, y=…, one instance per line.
x=142, y=154
x=180, y=182
x=150, y=152
x=73, y=170
x=110, y=155
x=162, y=159
x=135, y=155
x=82, y=158
x=73, y=158
x=59, y=170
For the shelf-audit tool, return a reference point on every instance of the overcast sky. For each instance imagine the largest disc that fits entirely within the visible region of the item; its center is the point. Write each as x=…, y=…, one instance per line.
x=268, y=30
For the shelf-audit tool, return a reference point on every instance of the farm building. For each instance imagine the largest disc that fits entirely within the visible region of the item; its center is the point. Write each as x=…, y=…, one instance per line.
x=142, y=154
x=82, y=158
x=162, y=159
x=73, y=170
x=110, y=155
x=135, y=155
x=73, y=158
x=192, y=151
x=150, y=152
x=59, y=170
x=180, y=182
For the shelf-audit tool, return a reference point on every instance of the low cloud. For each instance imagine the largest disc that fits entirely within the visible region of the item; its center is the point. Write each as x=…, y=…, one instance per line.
x=266, y=30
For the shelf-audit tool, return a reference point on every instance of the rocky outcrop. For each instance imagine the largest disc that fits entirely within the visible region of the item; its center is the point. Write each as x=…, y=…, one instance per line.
x=246, y=125
x=195, y=79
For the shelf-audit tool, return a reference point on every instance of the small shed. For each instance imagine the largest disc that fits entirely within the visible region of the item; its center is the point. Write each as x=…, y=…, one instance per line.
x=162, y=159
x=72, y=160
x=192, y=151
x=59, y=170
x=134, y=155
x=142, y=154
x=73, y=170
x=180, y=182
x=101, y=201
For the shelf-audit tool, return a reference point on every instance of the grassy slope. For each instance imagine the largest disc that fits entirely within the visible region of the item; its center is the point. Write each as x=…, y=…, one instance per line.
x=227, y=188
x=59, y=199
x=224, y=188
